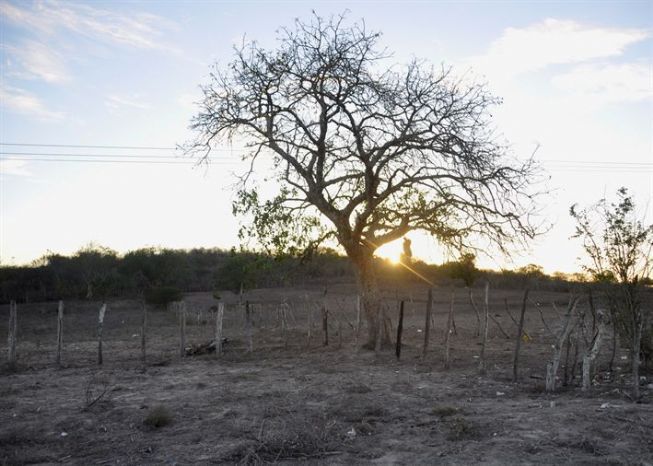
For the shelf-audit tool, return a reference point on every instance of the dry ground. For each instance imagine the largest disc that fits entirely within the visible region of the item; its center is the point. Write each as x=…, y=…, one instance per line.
x=323, y=405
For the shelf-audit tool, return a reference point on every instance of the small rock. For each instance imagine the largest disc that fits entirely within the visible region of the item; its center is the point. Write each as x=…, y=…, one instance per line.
x=552, y=404
x=500, y=393
x=64, y=434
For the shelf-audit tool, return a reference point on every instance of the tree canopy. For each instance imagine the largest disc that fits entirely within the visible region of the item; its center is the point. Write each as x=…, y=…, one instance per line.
x=362, y=152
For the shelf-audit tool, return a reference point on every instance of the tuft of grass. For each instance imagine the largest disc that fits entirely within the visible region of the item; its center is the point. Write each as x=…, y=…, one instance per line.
x=444, y=411
x=157, y=417
x=359, y=388
x=461, y=429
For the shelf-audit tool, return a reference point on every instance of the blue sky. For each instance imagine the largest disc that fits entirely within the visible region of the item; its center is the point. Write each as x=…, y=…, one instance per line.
x=576, y=78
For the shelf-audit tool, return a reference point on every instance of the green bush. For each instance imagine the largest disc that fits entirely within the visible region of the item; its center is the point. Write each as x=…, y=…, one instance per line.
x=163, y=295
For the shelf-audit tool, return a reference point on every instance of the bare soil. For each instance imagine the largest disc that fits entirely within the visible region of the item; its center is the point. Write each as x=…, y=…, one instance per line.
x=294, y=400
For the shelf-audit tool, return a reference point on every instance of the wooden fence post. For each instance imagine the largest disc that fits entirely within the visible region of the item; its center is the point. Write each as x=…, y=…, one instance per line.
x=283, y=314
x=447, y=336
x=520, y=331
x=600, y=316
x=309, y=309
x=568, y=325
x=182, y=328
x=339, y=334
x=219, y=316
x=11, y=339
x=427, y=323
x=400, y=329
x=248, y=328
x=325, y=325
x=358, y=317
x=143, y=332
x=481, y=363
x=478, y=315
x=59, y=332
x=100, y=324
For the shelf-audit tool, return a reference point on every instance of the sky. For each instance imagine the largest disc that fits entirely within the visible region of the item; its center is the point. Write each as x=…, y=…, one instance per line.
x=122, y=79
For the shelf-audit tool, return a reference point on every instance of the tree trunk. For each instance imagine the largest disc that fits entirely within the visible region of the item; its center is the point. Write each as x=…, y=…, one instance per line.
x=368, y=288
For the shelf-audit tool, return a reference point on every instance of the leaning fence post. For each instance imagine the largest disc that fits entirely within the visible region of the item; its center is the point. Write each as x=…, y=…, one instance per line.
x=427, y=324
x=219, y=315
x=520, y=330
x=569, y=322
x=602, y=318
x=182, y=328
x=100, y=323
x=11, y=339
x=400, y=329
x=59, y=331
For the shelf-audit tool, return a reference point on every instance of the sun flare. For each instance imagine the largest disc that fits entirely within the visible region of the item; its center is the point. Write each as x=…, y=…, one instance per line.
x=391, y=252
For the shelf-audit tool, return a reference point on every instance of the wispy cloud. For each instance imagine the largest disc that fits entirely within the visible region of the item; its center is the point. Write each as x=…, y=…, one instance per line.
x=14, y=167
x=23, y=102
x=555, y=42
x=34, y=60
x=136, y=29
x=608, y=82
x=116, y=101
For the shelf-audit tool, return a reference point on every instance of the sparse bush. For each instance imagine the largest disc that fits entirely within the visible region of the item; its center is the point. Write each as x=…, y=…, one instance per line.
x=294, y=437
x=157, y=417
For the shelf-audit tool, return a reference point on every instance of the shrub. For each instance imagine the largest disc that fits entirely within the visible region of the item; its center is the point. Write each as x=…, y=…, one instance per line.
x=159, y=416
x=162, y=296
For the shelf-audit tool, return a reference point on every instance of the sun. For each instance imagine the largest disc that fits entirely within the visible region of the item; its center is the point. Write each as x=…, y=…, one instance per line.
x=391, y=252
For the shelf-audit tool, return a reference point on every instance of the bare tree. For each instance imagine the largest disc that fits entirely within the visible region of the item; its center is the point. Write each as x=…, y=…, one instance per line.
x=619, y=246
x=362, y=152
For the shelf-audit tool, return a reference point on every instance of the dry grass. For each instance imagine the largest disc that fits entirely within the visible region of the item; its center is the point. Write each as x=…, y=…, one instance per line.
x=292, y=437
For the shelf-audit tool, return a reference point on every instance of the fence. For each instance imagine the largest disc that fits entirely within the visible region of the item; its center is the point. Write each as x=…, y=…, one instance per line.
x=128, y=332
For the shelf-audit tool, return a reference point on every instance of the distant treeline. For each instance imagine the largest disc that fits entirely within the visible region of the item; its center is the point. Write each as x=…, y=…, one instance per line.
x=95, y=272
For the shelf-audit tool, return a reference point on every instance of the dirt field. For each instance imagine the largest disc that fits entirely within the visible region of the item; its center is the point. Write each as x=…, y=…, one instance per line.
x=305, y=401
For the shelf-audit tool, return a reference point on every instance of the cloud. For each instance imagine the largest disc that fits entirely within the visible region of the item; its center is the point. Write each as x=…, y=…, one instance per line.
x=136, y=29
x=188, y=101
x=14, y=167
x=22, y=102
x=554, y=42
x=608, y=82
x=115, y=101
x=34, y=60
